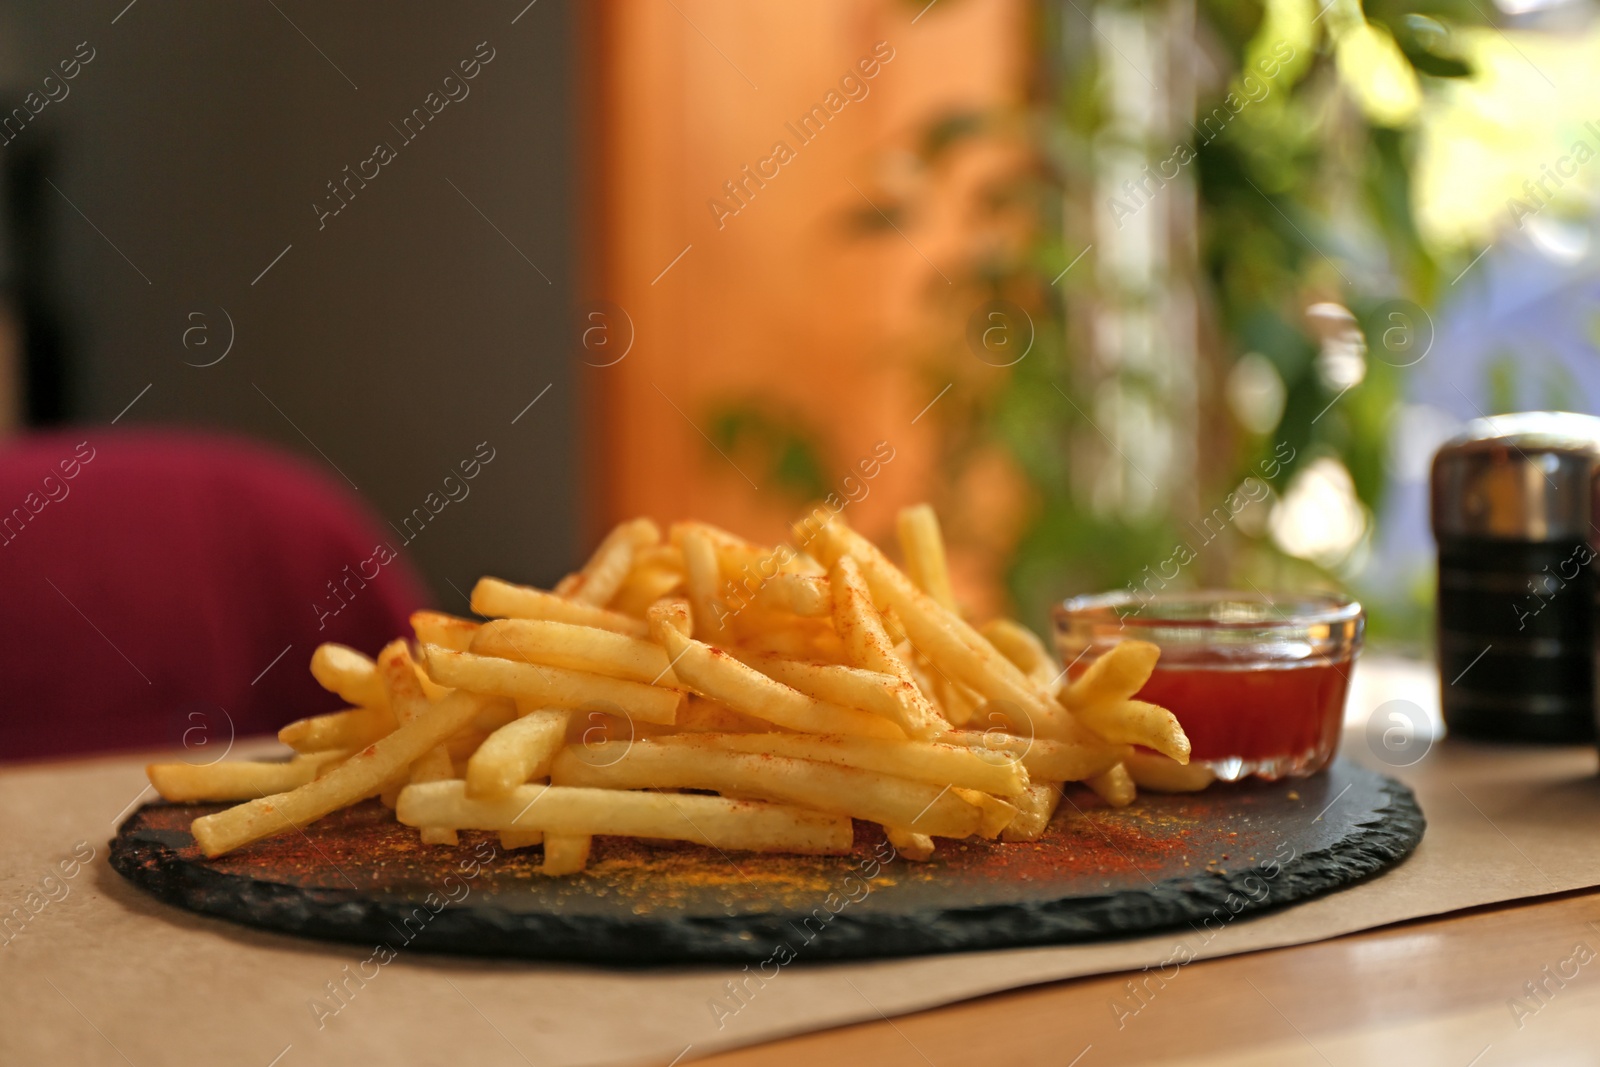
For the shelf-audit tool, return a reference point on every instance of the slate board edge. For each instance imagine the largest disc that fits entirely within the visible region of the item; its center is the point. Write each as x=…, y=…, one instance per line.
x=339, y=915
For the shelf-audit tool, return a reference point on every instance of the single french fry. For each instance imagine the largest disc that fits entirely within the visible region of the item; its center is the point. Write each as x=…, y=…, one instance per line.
x=236, y=779
x=348, y=673
x=1134, y=722
x=714, y=821
x=919, y=761
x=868, y=795
x=1162, y=774
x=606, y=570
x=518, y=751
x=702, y=576
x=497, y=599
x=997, y=813
x=363, y=775
x=1116, y=676
x=565, y=854
x=1035, y=809
x=922, y=544
x=579, y=648
x=955, y=648
x=852, y=687
x=555, y=687
x=1022, y=646
x=349, y=729
x=1045, y=760
x=446, y=631
x=1115, y=787
x=860, y=630
x=910, y=845
x=717, y=676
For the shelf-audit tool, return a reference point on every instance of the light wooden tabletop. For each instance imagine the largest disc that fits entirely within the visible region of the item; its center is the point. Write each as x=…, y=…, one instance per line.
x=1452, y=990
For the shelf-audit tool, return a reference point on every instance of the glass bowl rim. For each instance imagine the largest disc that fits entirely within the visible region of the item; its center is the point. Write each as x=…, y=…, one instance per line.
x=1299, y=609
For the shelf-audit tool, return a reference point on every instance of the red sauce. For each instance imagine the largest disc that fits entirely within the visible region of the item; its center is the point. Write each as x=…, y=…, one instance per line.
x=1262, y=712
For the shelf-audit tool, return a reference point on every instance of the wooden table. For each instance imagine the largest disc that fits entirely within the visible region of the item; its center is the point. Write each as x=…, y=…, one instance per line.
x=1431, y=991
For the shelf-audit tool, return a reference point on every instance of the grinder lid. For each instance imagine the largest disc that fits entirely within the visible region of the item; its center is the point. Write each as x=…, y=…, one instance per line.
x=1520, y=477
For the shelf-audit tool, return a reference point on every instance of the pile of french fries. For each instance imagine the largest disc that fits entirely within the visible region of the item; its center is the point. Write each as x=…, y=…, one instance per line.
x=703, y=688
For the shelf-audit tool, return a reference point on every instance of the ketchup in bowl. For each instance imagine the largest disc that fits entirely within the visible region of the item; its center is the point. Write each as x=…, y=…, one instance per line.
x=1257, y=682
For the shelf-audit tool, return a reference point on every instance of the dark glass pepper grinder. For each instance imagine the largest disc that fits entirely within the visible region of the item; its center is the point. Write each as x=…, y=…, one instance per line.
x=1512, y=507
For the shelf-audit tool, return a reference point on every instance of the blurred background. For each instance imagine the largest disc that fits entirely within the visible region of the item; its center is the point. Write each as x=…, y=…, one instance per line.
x=1156, y=294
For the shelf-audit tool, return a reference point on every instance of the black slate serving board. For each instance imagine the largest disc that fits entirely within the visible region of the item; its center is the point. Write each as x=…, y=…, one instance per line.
x=1197, y=860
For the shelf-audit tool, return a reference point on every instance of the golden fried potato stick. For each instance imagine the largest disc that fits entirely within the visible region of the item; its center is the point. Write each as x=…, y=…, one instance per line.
x=348, y=673
x=702, y=577
x=580, y=648
x=565, y=854
x=556, y=687
x=714, y=821
x=860, y=629
x=922, y=544
x=826, y=787
x=920, y=761
x=1117, y=675
x=851, y=687
x=350, y=729
x=1035, y=808
x=1133, y=722
x=1115, y=787
x=714, y=674
x=606, y=570
x=496, y=599
x=446, y=631
x=520, y=750
x=1044, y=759
x=365, y=774
x=236, y=779
x=1160, y=774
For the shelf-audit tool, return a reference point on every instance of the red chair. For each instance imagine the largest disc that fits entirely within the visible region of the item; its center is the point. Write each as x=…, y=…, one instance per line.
x=168, y=588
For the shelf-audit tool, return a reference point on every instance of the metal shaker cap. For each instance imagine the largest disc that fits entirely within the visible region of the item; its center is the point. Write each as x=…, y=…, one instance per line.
x=1520, y=477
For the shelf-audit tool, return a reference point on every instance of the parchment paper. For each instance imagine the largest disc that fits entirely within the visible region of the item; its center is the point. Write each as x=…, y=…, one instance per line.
x=98, y=973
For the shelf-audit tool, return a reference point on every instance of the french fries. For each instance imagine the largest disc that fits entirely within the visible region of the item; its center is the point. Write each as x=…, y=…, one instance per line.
x=804, y=688
x=447, y=631
x=353, y=728
x=363, y=775
x=954, y=647
x=824, y=787
x=348, y=673
x=496, y=599
x=582, y=648
x=236, y=779
x=520, y=750
x=922, y=544
x=861, y=630
x=1035, y=808
x=608, y=568
x=718, y=676
x=556, y=687
x=714, y=821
